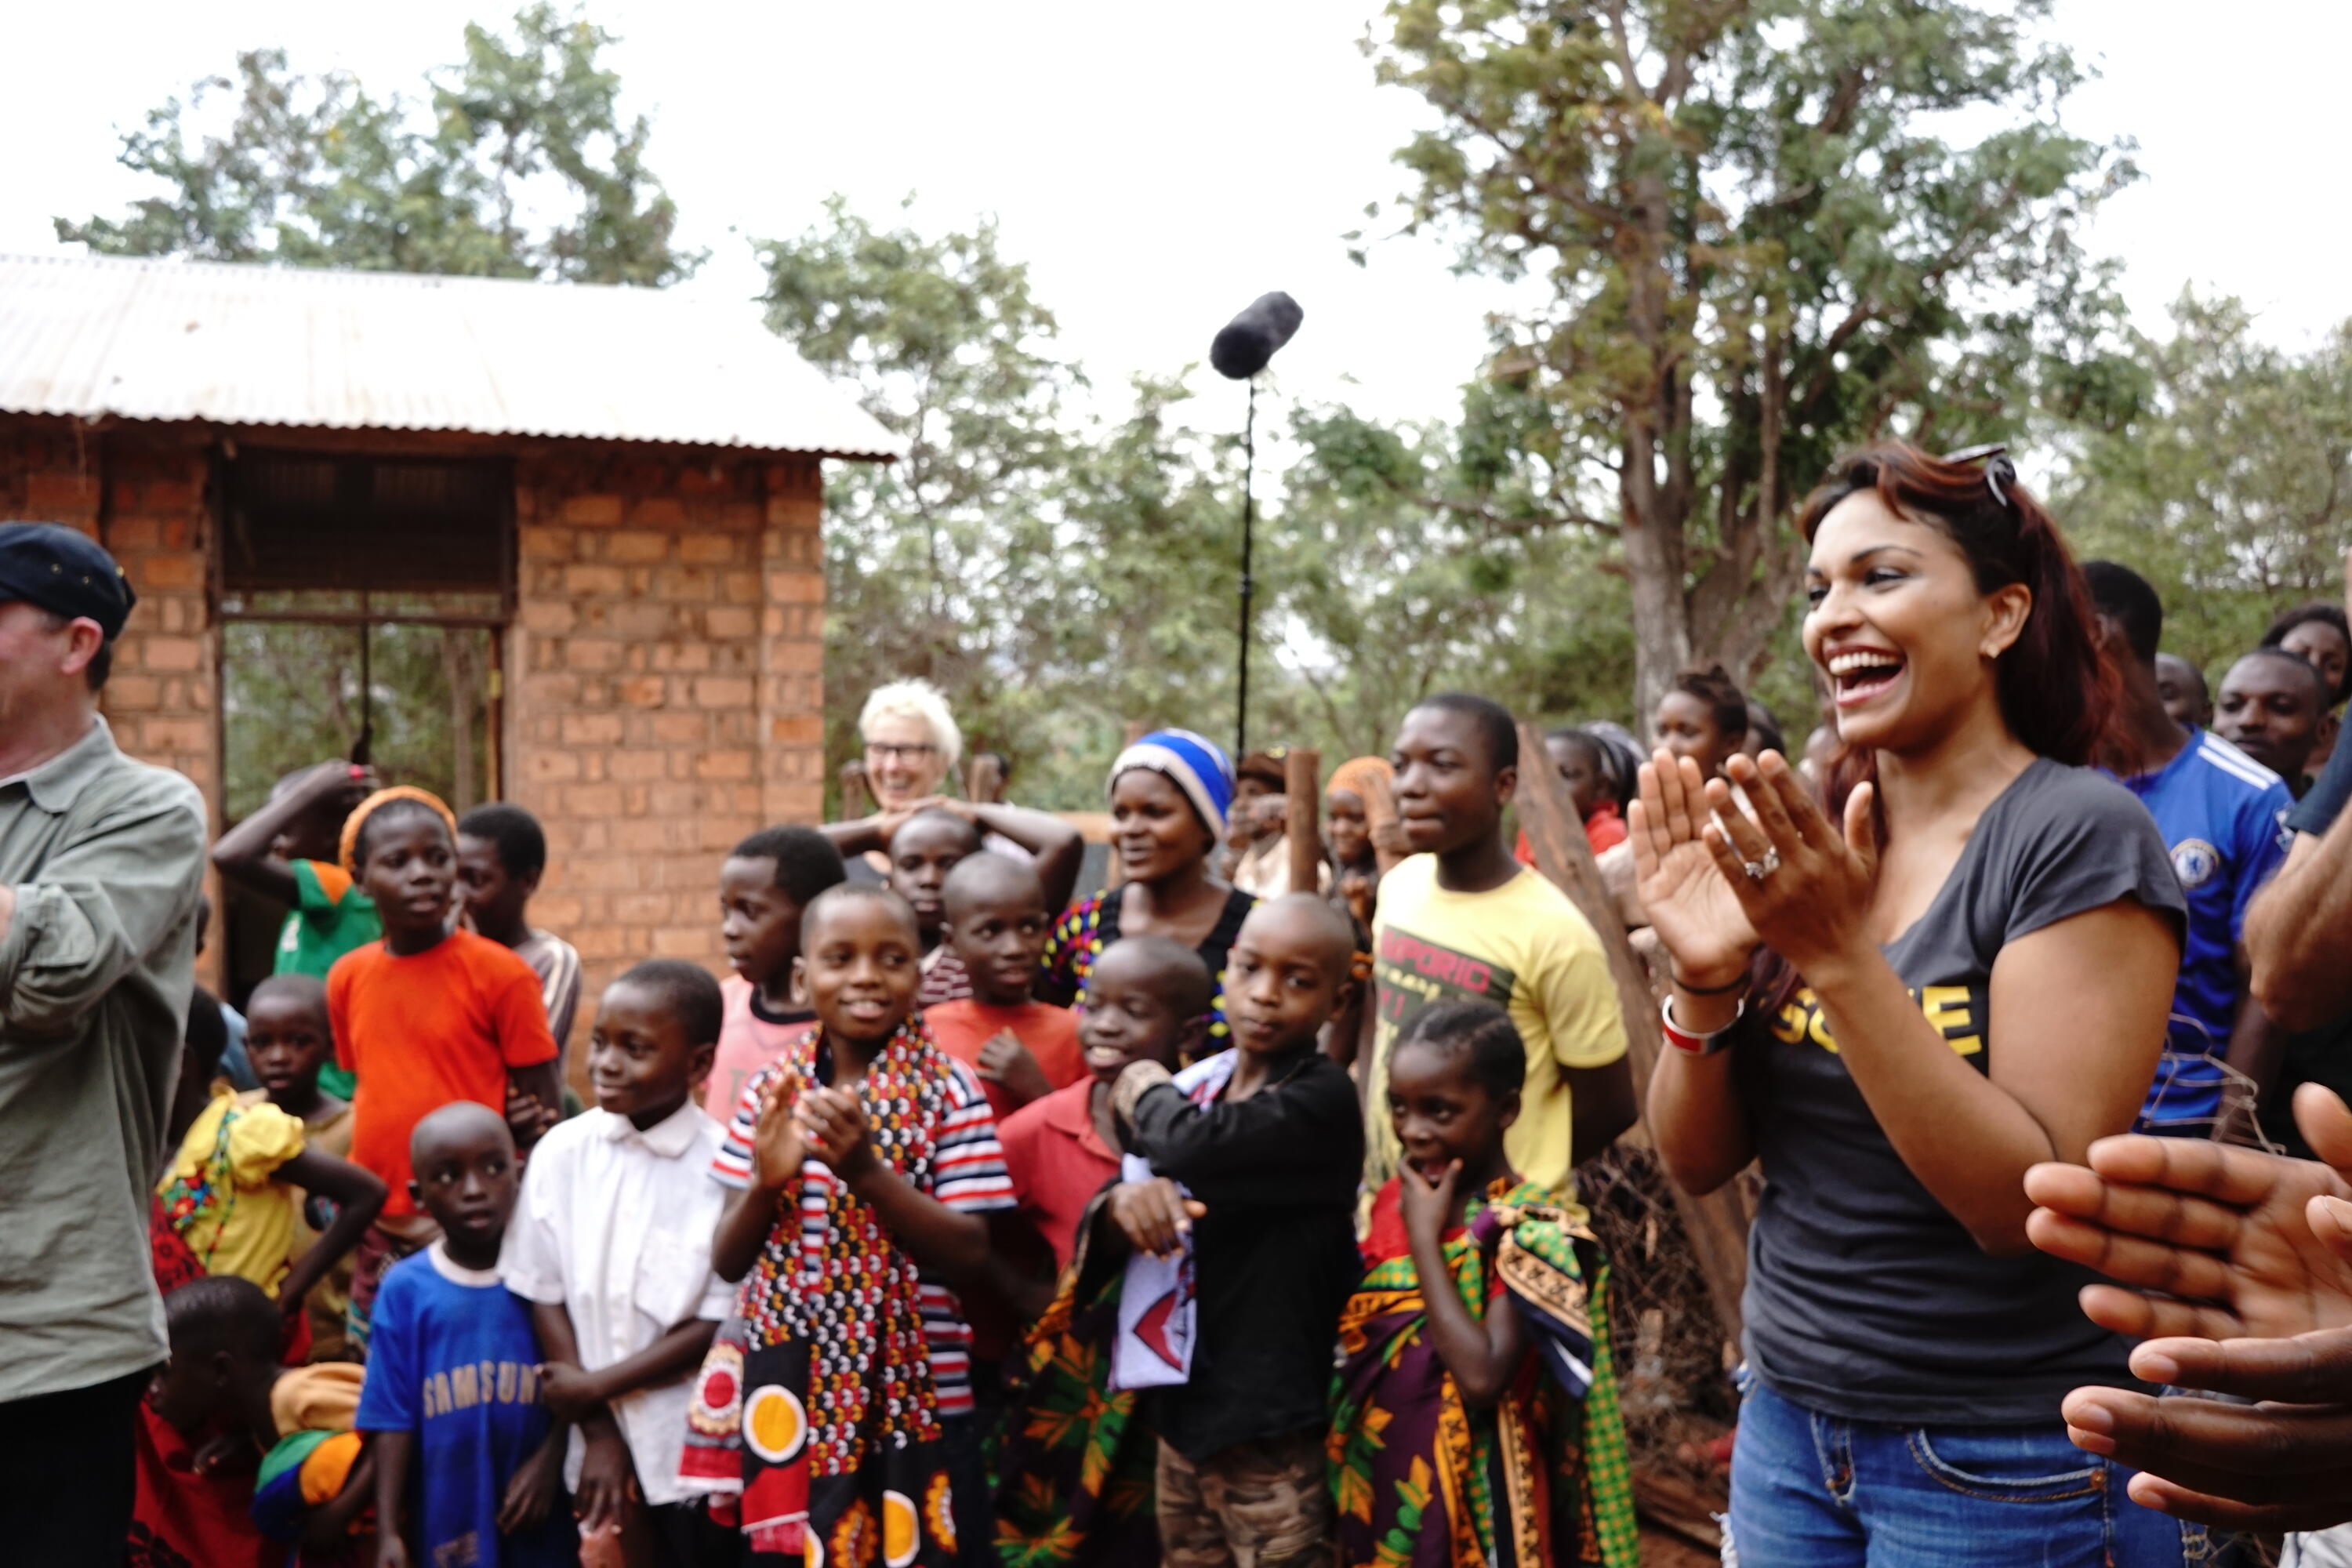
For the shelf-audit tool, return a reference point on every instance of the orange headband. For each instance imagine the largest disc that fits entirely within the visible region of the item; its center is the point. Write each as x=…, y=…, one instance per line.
x=377, y=801
x=1356, y=774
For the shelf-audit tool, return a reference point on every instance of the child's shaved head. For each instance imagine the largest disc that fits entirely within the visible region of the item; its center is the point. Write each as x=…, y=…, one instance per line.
x=292, y=990
x=835, y=899
x=1306, y=922
x=1165, y=967
x=980, y=880
x=459, y=1128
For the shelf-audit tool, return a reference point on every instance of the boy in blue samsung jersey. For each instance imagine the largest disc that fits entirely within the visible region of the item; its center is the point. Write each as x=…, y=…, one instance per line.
x=464, y=1447
x=2222, y=815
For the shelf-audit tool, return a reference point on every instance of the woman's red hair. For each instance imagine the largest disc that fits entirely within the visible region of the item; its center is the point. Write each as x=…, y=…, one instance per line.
x=2054, y=685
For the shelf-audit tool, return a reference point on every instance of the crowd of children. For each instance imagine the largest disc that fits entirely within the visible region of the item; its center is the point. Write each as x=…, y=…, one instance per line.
x=968, y=1220
x=832, y=1260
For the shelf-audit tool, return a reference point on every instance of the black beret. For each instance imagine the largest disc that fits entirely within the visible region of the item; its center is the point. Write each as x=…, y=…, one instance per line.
x=65, y=573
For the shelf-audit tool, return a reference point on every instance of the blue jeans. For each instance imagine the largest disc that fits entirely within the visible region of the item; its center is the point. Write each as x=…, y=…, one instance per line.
x=1814, y=1491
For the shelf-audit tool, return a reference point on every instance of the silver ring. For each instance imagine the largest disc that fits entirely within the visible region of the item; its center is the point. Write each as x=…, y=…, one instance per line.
x=1758, y=869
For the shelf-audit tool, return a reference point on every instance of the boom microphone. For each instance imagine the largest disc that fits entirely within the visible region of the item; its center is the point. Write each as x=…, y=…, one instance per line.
x=1250, y=339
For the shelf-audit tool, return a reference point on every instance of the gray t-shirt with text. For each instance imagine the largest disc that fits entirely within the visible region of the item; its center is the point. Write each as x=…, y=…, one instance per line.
x=1866, y=1299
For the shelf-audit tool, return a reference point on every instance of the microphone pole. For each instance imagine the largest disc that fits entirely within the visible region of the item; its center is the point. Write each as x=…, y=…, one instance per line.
x=1241, y=349
x=1249, y=585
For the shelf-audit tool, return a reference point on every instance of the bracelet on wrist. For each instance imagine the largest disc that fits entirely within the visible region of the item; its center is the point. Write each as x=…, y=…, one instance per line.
x=1697, y=1044
x=1739, y=982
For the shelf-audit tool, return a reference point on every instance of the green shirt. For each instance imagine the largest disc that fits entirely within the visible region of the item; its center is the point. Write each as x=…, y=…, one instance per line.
x=105, y=857
x=330, y=917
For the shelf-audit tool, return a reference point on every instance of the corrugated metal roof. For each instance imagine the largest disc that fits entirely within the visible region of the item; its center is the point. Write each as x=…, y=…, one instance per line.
x=291, y=347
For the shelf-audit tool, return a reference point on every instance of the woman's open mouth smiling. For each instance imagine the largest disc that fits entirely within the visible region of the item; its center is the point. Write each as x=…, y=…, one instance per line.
x=1861, y=673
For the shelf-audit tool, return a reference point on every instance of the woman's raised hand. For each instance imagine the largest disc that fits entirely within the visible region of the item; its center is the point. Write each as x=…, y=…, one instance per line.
x=1683, y=889
x=1803, y=885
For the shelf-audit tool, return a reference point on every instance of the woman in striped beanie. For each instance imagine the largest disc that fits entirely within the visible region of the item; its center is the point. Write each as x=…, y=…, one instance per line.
x=1168, y=795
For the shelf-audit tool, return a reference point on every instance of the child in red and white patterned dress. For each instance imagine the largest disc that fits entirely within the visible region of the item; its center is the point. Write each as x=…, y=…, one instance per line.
x=837, y=1400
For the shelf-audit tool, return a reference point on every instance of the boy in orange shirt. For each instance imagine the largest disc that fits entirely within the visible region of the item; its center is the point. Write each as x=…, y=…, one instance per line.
x=426, y=1016
x=996, y=924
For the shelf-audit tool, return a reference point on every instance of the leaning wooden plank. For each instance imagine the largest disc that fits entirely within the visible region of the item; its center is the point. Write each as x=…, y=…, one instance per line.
x=1715, y=1224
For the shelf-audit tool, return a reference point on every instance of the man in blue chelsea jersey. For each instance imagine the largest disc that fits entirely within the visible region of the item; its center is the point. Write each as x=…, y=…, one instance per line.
x=2222, y=815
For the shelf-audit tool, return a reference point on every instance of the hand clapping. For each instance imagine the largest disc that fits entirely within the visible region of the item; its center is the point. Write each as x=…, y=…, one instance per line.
x=833, y=1123
x=1716, y=881
x=2239, y=1260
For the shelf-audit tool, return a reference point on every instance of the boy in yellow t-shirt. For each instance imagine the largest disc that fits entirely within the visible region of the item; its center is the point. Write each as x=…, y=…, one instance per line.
x=1463, y=920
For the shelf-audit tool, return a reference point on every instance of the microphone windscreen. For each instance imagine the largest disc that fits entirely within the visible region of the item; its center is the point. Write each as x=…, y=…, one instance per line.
x=1250, y=339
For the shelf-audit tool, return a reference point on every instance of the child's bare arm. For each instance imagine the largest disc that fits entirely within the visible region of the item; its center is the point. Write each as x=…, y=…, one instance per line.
x=537, y=1482
x=1056, y=846
x=244, y=853
x=390, y=1453
x=574, y=1394
x=743, y=1228
x=330, y=1524
x=1483, y=1357
x=359, y=1195
x=606, y=1478
x=542, y=1082
x=750, y=1214
x=1021, y=1289
x=1005, y=1062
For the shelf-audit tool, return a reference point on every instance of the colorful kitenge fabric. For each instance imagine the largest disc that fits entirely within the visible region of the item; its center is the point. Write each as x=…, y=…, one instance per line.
x=1075, y=1485
x=1542, y=1480
x=174, y=1264
x=816, y=1406
x=1091, y=925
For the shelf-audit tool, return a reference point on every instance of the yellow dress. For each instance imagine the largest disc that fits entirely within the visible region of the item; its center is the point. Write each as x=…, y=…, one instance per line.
x=222, y=1196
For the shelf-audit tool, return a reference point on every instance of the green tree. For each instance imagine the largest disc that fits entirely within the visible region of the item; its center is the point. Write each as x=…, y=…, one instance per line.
x=938, y=566
x=317, y=171
x=1398, y=568
x=2231, y=489
x=1753, y=245
x=428, y=726
x=1062, y=577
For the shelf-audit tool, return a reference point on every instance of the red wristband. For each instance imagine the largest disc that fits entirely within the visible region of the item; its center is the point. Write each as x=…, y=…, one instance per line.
x=1692, y=1045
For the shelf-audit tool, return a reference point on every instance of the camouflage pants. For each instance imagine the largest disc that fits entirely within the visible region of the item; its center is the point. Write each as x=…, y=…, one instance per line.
x=1256, y=1505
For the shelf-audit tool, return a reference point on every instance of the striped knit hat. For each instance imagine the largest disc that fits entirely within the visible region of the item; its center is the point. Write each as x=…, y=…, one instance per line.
x=1192, y=762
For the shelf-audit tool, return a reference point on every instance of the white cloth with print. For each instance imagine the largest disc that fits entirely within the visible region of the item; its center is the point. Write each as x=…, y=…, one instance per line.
x=1159, y=1307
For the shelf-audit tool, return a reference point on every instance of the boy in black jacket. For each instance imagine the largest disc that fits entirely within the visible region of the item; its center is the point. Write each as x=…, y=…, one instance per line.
x=1268, y=1161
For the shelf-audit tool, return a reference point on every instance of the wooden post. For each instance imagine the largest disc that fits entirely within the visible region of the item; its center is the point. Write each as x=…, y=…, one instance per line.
x=1302, y=797
x=1715, y=1224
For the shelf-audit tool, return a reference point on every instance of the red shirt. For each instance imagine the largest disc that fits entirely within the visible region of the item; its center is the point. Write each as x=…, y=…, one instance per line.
x=1605, y=829
x=1051, y=1034
x=421, y=1031
x=179, y=1516
x=1058, y=1163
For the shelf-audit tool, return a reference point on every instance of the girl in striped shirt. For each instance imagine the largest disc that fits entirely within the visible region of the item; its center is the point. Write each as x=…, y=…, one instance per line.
x=837, y=1400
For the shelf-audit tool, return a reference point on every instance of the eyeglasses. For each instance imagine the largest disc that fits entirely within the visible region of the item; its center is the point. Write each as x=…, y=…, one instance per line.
x=1999, y=472
x=882, y=750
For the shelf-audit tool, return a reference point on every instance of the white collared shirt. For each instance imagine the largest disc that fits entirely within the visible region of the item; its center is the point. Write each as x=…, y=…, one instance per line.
x=614, y=1226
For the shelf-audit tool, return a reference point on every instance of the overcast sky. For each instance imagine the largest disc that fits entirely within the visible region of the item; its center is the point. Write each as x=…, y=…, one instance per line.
x=1160, y=165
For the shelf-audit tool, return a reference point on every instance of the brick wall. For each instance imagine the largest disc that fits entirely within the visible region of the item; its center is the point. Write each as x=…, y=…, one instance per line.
x=663, y=675
x=665, y=680
x=142, y=497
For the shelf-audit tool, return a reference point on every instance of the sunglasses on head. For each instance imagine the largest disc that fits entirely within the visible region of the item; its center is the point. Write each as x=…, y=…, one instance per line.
x=2001, y=474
